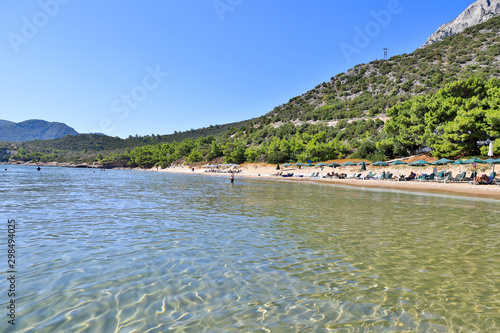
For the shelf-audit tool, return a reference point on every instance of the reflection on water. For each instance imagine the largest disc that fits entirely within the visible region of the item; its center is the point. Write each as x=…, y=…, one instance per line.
x=124, y=251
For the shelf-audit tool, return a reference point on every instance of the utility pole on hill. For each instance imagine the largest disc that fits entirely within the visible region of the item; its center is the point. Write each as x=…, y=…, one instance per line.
x=385, y=53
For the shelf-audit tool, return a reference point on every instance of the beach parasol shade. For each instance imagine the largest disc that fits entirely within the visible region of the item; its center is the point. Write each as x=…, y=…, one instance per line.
x=419, y=163
x=380, y=163
x=474, y=160
x=361, y=163
x=349, y=163
x=309, y=164
x=397, y=163
x=333, y=164
x=492, y=162
x=320, y=164
x=441, y=161
x=286, y=165
x=299, y=164
x=458, y=162
x=363, y=166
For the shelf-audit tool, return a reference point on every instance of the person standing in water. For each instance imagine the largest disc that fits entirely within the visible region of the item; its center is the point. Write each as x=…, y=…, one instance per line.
x=232, y=177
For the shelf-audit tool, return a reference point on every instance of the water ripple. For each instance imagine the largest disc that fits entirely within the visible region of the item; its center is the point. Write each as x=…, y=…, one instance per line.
x=124, y=251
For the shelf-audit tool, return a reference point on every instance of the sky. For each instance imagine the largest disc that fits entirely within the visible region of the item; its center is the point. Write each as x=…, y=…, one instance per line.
x=154, y=67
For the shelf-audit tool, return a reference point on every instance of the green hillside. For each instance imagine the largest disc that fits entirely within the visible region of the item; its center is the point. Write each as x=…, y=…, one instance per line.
x=371, y=89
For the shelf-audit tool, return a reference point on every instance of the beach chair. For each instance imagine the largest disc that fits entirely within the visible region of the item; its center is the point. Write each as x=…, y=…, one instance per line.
x=460, y=177
x=446, y=178
x=382, y=176
x=473, y=175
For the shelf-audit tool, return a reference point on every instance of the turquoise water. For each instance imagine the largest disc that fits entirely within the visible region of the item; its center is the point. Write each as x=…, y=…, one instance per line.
x=129, y=251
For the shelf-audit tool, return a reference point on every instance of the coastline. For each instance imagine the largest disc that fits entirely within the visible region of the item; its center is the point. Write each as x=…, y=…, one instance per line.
x=265, y=172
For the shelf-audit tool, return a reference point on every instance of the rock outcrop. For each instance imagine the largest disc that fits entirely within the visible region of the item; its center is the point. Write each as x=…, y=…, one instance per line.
x=479, y=12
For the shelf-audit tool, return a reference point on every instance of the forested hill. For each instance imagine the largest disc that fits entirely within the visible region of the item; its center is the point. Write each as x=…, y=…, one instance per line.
x=371, y=89
x=33, y=129
x=96, y=143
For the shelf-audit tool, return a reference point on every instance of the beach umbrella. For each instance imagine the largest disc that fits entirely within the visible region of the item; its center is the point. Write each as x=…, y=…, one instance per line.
x=419, y=163
x=490, y=154
x=320, y=164
x=458, y=162
x=492, y=162
x=333, y=165
x=363, y=166
x=442, y=161
x=299, y=164
x=286, y=165
x=398, y=162
x=474, y=160
x=309, y=164
x=349, y=163
x=380, y=163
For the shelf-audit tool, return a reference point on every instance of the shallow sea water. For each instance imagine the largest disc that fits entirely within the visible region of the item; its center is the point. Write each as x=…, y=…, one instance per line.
x=129, y=251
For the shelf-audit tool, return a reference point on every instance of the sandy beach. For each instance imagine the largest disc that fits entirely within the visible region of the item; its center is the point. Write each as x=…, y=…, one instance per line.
x=267, y=171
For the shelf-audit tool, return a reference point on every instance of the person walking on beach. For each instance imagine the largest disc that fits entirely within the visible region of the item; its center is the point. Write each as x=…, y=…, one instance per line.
x=232, y=177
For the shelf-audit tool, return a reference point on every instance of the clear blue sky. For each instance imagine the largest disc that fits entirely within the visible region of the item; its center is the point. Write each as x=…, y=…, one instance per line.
x=159, y=66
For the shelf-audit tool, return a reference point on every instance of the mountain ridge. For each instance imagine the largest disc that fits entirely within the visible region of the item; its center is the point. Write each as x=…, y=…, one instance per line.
x=32, y=129
x=477, y=13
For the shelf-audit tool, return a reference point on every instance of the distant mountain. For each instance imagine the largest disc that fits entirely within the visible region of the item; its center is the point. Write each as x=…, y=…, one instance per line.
x=33, y=129
x=5, y=122
x=477, y=13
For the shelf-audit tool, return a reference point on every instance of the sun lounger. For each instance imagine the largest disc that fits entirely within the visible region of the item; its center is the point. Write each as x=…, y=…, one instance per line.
x=446, y=178
x=473, y=175
x=430, y=178
x=460, y=177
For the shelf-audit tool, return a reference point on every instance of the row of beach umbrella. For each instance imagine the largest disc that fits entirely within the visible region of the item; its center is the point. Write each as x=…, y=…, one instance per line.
x=442, y=161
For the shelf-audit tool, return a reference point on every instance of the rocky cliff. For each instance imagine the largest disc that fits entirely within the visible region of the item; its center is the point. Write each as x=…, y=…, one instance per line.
x=477, y=13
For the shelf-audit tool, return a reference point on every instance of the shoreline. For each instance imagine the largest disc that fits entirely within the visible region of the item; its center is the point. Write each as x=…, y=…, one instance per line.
x=265, y=171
